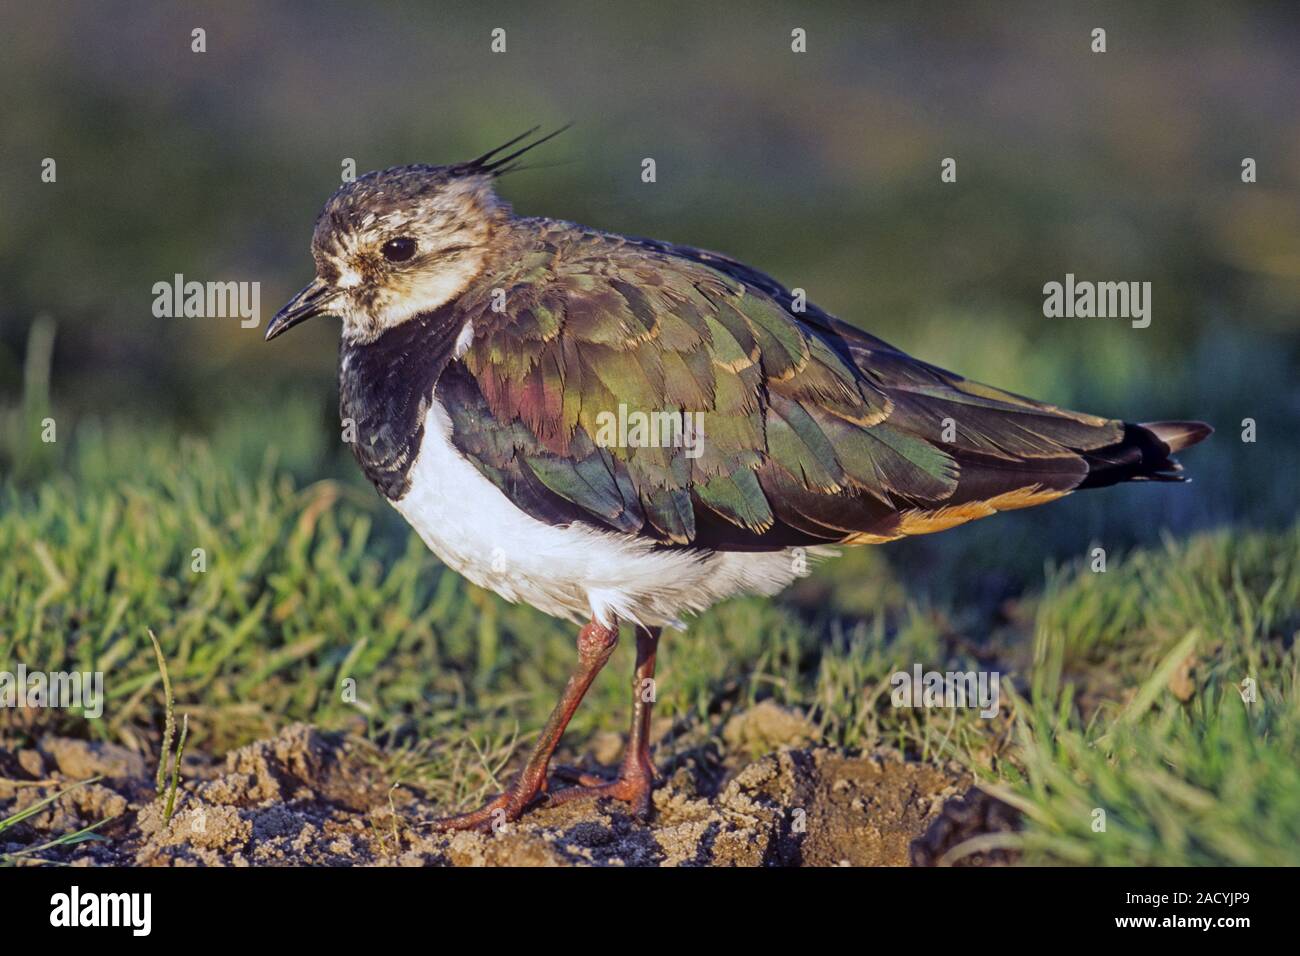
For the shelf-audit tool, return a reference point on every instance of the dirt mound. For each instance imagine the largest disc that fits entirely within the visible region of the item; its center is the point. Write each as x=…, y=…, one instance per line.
x=308, y=798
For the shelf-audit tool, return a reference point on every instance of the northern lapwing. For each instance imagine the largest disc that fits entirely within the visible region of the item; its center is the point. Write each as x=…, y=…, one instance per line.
x=485, y=358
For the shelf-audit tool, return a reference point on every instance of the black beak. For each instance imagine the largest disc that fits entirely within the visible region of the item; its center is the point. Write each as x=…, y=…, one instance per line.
x=313, y=299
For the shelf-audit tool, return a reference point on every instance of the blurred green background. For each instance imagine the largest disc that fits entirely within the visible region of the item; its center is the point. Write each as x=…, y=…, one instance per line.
x=821, y=168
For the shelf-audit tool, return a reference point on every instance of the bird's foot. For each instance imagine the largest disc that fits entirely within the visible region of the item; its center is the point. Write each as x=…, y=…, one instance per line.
x=576, y=776
x=634, y=786
x=494, y=815
x=595, y=643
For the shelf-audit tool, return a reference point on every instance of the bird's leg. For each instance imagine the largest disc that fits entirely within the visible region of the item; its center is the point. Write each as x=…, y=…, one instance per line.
x=637, y=774
x=595, y=644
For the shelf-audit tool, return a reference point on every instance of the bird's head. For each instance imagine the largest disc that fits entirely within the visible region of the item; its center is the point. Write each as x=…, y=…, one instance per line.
x=394, y=244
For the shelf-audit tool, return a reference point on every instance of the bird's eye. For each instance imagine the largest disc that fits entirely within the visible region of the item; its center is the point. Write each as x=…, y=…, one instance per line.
x=399, y=249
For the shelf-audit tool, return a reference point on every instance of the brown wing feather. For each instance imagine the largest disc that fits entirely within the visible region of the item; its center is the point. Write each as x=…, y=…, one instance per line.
x=815, y=431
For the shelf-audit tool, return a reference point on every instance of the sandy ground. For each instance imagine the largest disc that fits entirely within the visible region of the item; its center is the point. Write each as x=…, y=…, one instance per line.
x=310, y=798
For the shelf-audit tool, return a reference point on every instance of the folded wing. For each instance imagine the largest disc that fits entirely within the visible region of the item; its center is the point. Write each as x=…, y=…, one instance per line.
x=812, y=431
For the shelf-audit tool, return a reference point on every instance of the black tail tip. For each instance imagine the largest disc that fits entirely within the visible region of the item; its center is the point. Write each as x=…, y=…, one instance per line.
x=1179, y=435
x=1145, y=453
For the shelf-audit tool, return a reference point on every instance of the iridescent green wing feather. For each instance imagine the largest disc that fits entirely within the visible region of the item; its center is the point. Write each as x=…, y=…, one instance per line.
x=811, y=430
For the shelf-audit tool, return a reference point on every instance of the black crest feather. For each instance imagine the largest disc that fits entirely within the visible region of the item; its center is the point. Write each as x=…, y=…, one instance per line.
x=490, y=162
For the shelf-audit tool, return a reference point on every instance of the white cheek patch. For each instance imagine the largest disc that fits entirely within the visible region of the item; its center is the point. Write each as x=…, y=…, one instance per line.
x=428, y=291
x=398, y=297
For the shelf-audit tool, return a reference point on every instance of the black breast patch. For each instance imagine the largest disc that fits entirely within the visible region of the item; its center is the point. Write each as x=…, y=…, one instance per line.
x=385, y=388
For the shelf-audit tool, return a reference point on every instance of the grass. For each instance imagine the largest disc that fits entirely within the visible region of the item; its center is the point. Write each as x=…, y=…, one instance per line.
x=165, y=751
x=277, y=598
x=28, y=856
x=1191, y=744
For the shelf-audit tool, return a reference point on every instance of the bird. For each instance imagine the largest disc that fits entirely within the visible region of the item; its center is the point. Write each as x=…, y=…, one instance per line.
x=485, y=357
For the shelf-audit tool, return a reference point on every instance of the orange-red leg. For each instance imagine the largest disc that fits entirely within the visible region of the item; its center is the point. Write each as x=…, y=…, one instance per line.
x=636, y=775
x=595, y=645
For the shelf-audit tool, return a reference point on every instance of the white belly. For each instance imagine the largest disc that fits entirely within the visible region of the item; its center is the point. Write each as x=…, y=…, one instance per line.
x=574, y=571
